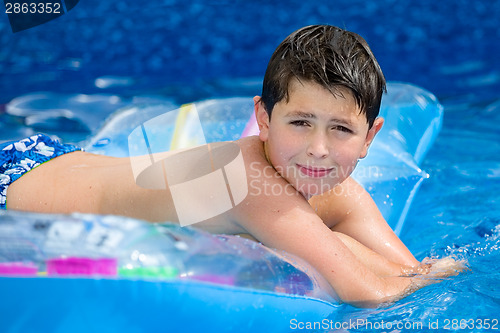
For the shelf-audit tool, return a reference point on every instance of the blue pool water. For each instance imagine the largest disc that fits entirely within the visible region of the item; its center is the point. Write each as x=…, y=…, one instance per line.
x=184, y=51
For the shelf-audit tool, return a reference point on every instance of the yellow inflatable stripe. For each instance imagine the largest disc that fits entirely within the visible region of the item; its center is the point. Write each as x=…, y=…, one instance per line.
x=180, y=125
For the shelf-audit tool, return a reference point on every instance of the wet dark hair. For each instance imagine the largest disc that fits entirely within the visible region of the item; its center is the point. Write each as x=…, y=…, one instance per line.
x=331, y=57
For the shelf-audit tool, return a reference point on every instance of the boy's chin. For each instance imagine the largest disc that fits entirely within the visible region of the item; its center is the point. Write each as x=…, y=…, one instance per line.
x=312, y=190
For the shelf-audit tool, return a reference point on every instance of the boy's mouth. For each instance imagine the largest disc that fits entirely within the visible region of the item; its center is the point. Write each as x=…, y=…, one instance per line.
x=314, y=172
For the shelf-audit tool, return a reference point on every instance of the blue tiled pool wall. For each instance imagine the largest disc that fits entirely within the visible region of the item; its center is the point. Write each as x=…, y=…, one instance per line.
x=189, y=48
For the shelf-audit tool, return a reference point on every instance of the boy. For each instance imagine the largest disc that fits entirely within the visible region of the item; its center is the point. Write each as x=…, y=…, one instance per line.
x=317, y=116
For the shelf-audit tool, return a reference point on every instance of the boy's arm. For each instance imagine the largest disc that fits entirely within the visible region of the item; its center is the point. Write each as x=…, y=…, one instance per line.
x=350, y=210
x=279, y=217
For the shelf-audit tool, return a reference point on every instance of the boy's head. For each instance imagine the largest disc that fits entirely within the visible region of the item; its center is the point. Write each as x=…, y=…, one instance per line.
x=331, y=57
x=323, y=88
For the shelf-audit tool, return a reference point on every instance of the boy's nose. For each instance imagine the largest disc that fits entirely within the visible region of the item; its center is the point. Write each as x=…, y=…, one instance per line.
x=318, y=146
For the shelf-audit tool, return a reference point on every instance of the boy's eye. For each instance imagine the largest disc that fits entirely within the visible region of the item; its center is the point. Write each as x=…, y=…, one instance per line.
x=299, y=123
x=342, y=129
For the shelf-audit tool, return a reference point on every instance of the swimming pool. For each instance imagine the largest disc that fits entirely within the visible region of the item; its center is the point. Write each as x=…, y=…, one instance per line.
x=448, y=47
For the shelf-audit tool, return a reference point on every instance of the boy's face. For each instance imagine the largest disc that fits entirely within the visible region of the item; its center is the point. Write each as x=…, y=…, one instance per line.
x=315, y=139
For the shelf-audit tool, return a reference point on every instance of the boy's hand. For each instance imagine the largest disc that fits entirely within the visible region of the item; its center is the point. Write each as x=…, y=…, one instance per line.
x=434, y=271
x=421, y=269
x=442, y=268
x=436, y=268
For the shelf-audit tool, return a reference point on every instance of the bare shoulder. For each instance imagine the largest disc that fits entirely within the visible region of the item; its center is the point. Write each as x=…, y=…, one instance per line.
x=271, y=203
x=346, y=199
x=263, y=181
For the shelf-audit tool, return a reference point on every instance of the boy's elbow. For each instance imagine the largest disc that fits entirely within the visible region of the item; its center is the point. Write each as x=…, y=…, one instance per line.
x=388, y=290
x=366, y=300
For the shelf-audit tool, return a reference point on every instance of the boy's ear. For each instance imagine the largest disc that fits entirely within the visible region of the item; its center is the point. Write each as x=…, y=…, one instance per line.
x=262, y=118
x=376, y=127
